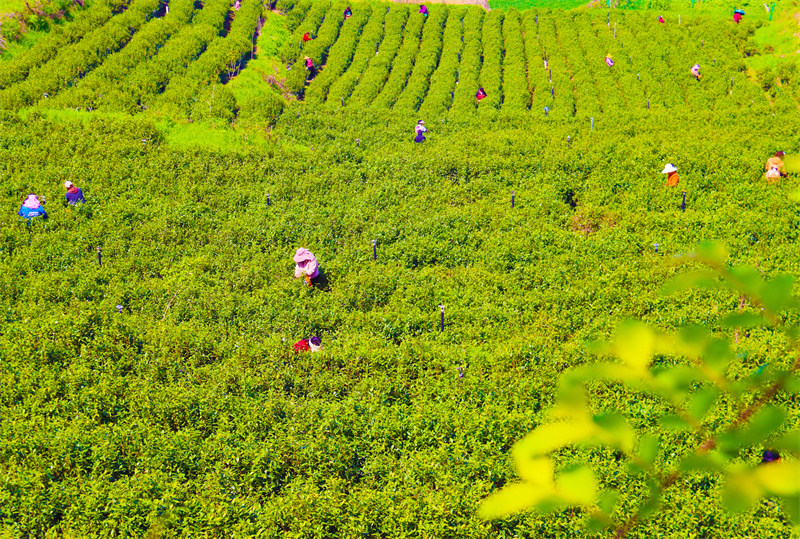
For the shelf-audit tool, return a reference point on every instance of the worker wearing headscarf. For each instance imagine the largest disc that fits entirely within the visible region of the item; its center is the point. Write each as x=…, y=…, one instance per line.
x=306, y=37
x=32, y=208
x=306, y=265
x=74, y=194
x=423, y=10
x=775, y=167
x=420, y=128
x=672, y=175
x=309, y=67
x=312, y=344
x=696, y=71
x=480, y=94
x=609, y=61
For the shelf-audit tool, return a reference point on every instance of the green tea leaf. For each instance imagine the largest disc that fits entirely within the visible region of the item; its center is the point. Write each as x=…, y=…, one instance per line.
x=792, y=385
x=538, y=471
x=648, y=449
x=596, y=525
x=614, y=430
x=512, y=499
x=697, y=279
x=550, y=437
x=717, y=354
x=788, y=442
x=741, y=491
x=743, y=488
x=781, y=477
x=674, y=422
x=791, y=504
x=578, y=486
x=747, y=279
x=713, y=252
x=551, y=504
x=702, y=401
x=679, y=378
x=699, y=463
x=743, y=320
x=765, y=422
x=635, y=344
x=607, y=501
x=776, y=295
x=653, y=498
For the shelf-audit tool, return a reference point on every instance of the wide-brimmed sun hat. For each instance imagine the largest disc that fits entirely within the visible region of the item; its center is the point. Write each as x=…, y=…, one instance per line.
x=302, y=255
x=68, y=184
x=315, y=343
x=669, y=168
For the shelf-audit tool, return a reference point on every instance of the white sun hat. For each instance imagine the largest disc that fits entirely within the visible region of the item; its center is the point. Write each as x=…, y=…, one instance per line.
x=68, y=184
x=669, y=168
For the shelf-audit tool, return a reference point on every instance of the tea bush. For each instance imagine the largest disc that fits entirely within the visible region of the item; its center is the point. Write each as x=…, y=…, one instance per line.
x=188, y=413
x=157, y=393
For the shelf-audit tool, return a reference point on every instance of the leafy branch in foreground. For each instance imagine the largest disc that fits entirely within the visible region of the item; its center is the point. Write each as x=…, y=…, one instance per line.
x=689, y=389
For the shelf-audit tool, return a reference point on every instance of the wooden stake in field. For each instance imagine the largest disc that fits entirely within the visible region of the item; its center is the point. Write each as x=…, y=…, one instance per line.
x=512, y=199
x=374, y=250
x=441, y=318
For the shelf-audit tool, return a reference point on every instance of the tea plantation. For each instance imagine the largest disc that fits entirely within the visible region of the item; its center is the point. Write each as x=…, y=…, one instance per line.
x=148, y=382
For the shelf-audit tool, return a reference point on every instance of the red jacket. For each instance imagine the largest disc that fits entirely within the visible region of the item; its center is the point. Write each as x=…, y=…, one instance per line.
x=302, y=346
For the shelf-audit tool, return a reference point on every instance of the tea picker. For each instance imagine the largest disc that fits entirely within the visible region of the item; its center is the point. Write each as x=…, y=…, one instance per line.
x=423, y=10
x=775, y=167
x=696, y=71
x=348, y=13
x=307, y=267
x=32, y=208
x=420, y=128
x=480, y=94
x=74, y=194
x=672, y=175
x=309, y=66
x=306, y=37
x=737, y=15
x=312, y=344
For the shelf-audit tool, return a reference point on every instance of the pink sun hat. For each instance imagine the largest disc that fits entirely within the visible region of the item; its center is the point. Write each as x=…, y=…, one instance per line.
x=303, y=255
x=32, y=202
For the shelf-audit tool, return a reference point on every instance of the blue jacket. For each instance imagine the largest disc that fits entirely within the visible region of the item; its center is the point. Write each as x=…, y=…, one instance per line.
x=29, y=213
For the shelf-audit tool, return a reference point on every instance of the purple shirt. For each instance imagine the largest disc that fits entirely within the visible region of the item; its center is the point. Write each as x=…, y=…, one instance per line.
x=74, y=198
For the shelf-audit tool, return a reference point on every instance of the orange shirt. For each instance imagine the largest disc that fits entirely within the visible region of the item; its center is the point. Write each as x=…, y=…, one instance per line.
x=776, y=162
x=672, y=179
